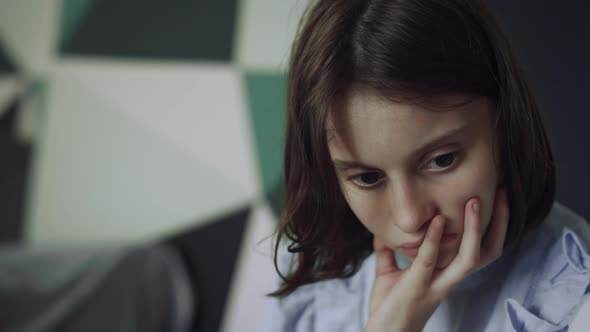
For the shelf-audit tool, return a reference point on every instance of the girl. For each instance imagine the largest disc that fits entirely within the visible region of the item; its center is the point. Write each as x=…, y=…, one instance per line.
x=420, y=180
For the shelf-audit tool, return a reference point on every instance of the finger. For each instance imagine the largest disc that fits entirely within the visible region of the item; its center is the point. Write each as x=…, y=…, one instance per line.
x=384, y=258
x=425, y=262
x=470, y=247
x=467, y=257
x=493, y=242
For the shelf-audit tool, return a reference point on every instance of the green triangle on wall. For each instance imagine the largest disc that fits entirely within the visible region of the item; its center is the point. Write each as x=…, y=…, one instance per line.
x=267, y=106
x=73, y=12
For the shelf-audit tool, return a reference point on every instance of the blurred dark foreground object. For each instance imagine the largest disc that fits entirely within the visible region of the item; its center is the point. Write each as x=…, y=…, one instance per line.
x=128, y=289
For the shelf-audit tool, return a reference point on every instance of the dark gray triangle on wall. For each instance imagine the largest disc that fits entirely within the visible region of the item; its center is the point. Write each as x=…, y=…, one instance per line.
x=15, y=159
x=210, y=255
x=8, y=118
x=6, y=65
x=174, y=29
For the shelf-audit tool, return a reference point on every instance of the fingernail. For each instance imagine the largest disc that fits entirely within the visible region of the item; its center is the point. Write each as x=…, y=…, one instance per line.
x=475, y=206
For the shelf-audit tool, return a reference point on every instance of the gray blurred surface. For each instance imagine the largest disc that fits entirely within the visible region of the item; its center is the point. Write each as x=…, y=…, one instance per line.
x=118, y=290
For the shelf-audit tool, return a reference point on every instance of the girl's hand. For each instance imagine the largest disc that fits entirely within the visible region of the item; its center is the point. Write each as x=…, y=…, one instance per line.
x=404, y=300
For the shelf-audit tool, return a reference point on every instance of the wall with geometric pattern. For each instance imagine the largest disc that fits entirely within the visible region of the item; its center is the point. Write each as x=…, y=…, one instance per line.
x=141, y=120
x=158, y=117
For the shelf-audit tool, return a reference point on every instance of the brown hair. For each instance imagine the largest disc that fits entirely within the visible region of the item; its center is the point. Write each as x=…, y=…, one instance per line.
x=398, y=48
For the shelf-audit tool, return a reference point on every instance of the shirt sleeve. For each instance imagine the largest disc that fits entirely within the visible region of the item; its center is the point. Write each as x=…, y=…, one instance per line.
x=334, y=305
x=293, y=313
x=559, y=289
x=581, y=320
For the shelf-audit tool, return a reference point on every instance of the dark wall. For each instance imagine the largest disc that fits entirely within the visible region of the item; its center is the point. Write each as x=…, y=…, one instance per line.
x=551, y=40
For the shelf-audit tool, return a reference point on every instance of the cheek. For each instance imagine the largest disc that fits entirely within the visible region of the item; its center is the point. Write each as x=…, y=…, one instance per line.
x=476, y=179
x=477, y=182
x=366, y=207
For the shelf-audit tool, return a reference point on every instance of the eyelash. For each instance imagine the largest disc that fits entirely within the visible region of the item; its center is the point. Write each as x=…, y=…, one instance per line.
x=355, y=177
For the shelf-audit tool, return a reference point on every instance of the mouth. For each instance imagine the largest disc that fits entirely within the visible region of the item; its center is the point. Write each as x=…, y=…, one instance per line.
x=412, y=248
x=412, y=244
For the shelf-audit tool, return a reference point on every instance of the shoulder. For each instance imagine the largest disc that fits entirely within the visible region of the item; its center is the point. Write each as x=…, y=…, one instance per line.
x=330, y=305
x=551, y=273
x=562, y=217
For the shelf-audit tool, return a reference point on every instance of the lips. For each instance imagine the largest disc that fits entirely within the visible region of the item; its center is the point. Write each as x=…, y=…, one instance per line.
x=414, y=245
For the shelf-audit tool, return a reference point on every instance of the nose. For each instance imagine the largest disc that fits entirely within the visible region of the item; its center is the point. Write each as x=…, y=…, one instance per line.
x=410, y=206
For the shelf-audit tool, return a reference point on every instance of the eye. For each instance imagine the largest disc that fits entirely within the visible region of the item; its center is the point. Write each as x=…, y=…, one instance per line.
x=367, y=179
x=443, y=161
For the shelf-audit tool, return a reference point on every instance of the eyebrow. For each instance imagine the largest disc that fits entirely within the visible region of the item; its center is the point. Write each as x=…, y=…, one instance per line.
x=348, y=164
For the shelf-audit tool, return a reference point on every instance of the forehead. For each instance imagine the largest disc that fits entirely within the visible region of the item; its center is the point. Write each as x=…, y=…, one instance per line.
x=368, y=124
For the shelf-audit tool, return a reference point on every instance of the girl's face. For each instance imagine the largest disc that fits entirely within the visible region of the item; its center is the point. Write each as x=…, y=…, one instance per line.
x=400, y=164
